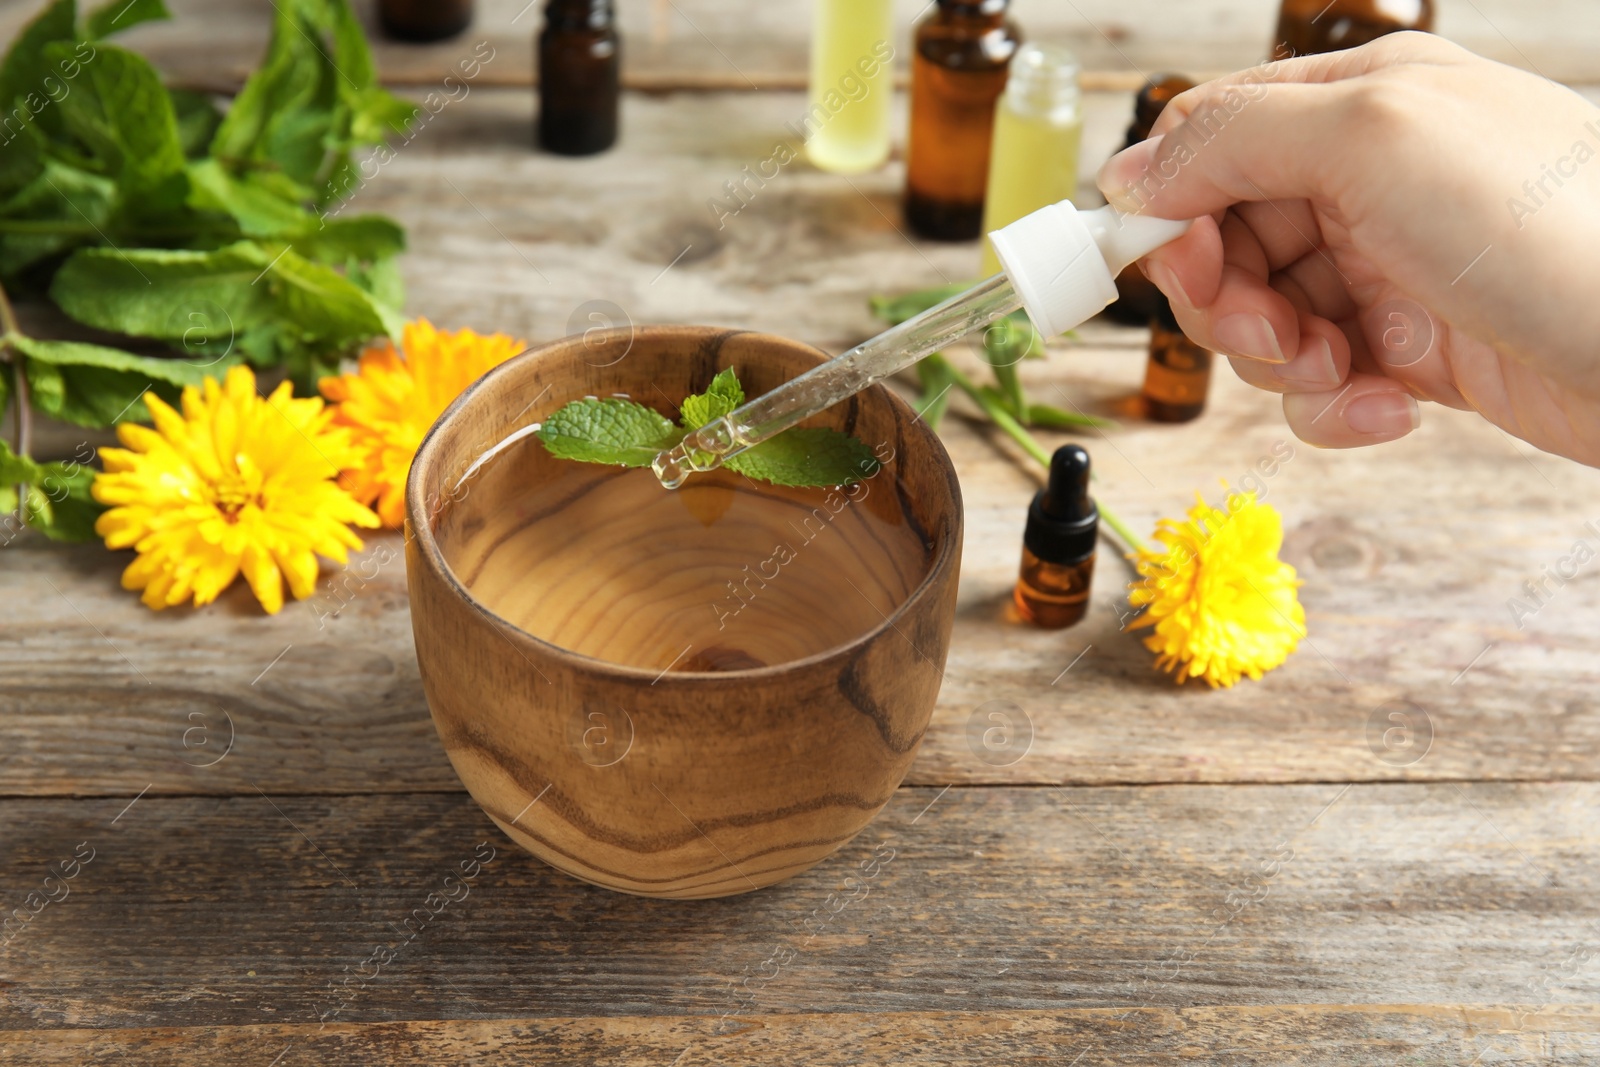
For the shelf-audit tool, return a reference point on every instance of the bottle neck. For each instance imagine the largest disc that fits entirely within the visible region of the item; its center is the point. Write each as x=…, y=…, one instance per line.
x=578, y=14
x=1043, y=83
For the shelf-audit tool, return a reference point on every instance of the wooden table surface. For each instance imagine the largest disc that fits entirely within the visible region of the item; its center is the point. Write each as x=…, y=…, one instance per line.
x=1150, y=875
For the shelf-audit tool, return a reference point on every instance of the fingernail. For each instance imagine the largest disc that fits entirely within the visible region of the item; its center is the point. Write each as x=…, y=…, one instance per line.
x=1313, y=366
x=1119, y=177
x=1389, y=414
x=1167, y=282
x=1248, y=335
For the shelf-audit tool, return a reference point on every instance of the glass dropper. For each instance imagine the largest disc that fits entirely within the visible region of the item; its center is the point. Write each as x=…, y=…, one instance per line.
x=1060, y=264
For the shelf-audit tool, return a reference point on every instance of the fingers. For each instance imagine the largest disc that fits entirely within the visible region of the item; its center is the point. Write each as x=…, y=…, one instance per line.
x=1247, y=318
x=1322, y=362
x=1188, y=270
x=1366, y=410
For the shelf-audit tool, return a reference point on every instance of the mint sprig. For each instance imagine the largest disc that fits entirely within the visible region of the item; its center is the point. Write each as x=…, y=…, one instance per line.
x=625, y=433
x=121, y=165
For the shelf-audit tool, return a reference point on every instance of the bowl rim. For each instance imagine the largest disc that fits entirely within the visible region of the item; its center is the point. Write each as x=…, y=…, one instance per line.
x=421, y=534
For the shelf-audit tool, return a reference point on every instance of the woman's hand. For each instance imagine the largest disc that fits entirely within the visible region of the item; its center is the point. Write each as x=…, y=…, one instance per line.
x=1400, y=221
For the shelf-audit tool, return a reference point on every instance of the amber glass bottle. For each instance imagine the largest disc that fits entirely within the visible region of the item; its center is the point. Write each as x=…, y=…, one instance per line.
x=1138, y=300
x=580, y=64
x=424, y=20
x=1058, y=544
x=1306, y=27
x=958, y=71
x=1178, y=375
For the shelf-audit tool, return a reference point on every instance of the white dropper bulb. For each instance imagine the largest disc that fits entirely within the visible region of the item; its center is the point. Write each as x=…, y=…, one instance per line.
x=1064, y=262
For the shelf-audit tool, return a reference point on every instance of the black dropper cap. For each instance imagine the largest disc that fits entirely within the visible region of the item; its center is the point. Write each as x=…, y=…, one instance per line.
x=1063, y=521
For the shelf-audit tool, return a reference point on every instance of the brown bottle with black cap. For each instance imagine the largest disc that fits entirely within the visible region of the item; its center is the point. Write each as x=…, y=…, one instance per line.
x=580, y=64
x=1058, y=544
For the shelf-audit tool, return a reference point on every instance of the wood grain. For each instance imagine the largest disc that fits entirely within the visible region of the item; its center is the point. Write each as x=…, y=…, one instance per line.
x=1313, y=1035
x=1411, y=552
x=669, y=774
x=712, y=44
x=206, y=911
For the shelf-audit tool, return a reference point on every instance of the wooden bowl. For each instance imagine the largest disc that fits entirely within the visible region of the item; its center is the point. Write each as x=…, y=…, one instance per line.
x=714, y=783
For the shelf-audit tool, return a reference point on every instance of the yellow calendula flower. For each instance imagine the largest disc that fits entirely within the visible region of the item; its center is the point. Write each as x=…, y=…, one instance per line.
x=393, y=398
x=1220, y=602
x=237, y=482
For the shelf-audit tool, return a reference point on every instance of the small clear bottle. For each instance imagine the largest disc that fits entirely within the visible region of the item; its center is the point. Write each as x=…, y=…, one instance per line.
x=1307, y=27
x=1052, y=588
x=1138, y=300
x=423, y=20
x=1038, y=125
x=580, y=66
x=1178, y=376
x=846, y=126
x=958, y=71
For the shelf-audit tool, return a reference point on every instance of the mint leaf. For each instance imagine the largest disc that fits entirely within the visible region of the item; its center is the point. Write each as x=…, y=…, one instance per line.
x=58, y=503
x=359, y=238
x=608, y=430
x=323, y=304
x=381, y=281
x=122, y=114
x=66, y=203
x=119, y=15
x=807, y=456
x=198, y=119
x=22, y=161
x=153, y=292
x=722, y=396
x=25, y=68
x=314, y=98
x=278, y=307
x=283, y=111
x=90, y=385
x=259, y=211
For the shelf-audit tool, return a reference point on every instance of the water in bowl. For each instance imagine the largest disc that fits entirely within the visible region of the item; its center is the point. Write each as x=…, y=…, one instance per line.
x=722, y=574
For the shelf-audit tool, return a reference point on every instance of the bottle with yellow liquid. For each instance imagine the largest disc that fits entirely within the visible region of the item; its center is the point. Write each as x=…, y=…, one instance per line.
x=1038, y=125
x=846, y=126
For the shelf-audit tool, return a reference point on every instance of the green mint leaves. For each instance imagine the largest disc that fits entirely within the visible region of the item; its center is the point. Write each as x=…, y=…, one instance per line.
x=57, y=501
x=801, y=457
x=724, y=394
x=608, y=430
x=627, y=434
x=99, y=159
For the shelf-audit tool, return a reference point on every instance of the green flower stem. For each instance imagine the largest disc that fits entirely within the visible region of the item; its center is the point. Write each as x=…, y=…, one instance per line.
x=1030, y=444
x=23, y=421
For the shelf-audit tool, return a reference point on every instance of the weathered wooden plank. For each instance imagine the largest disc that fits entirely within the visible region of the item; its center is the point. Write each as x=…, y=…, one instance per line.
x=721, y=45
x=1411, y=552
x=209, y=911
x=1308, y=1035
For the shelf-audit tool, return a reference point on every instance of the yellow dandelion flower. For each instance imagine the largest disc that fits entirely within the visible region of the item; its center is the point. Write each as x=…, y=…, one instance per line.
x=236, y=482
x=1221, y=603
x=392, y=400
